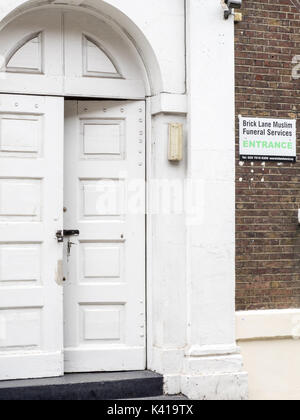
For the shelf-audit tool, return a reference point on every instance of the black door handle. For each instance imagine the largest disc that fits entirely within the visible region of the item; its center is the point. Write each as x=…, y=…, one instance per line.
x=60, y=234
x=71, y=233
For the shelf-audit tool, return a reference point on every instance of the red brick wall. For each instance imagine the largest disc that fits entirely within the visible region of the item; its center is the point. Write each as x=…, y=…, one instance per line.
x=268, y=197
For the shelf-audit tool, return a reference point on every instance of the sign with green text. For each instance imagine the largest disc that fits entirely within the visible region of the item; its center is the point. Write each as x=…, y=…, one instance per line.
x=268, y=139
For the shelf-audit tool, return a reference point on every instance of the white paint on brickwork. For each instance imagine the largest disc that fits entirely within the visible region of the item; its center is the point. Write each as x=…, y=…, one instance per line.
x=270, y=346
x=257, y=325
x=211, y=245
x=190, y=272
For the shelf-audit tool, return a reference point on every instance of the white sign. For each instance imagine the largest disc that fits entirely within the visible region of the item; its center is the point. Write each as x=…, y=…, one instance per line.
x=267, y=139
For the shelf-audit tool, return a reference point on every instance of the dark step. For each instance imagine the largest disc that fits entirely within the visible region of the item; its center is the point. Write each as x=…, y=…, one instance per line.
x=164, y=398
x=90, y=386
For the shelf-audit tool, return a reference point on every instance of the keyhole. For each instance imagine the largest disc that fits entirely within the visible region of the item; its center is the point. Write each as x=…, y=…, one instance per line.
x=69, y=247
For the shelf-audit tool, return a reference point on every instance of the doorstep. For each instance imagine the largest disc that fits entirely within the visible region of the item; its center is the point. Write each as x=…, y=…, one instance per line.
x=87, y=386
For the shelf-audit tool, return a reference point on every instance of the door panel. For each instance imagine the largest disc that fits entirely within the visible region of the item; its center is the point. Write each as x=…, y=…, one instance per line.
x=31, y=200
x=105, y=271
x=32, y=47
x=98, y=61
x=58, y=51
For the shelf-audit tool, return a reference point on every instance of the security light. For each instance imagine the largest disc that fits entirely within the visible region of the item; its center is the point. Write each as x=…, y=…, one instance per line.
x=234, y=4
x=231, y=5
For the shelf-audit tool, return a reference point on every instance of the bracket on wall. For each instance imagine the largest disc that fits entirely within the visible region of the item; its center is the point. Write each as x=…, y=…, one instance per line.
x=230, y=6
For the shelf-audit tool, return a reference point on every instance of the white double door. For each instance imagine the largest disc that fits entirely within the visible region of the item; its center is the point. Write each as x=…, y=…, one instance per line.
x=76, y=306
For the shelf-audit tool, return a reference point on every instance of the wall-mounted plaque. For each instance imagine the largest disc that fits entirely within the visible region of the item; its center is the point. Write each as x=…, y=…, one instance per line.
x=268, y=139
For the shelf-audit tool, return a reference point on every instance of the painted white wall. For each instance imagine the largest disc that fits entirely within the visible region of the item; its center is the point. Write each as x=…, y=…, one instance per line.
x=270, y=345
x=168, y=257
x=211, y=239
x=211, y=242
x=163, y=23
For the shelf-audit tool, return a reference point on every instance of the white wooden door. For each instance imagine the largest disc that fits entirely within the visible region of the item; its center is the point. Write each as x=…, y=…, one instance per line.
x=31, y=202
x=105, y=271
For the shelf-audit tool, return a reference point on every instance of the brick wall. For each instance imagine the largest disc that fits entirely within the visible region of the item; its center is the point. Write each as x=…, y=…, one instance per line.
x=268, y=196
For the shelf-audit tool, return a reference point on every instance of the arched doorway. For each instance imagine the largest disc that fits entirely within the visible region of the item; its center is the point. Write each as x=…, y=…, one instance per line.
x=63, y=51
x=72, y=255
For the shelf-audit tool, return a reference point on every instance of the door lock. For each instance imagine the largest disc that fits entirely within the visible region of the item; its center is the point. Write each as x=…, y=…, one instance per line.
x=60, y=234
x=69, y=246
x=71, y=232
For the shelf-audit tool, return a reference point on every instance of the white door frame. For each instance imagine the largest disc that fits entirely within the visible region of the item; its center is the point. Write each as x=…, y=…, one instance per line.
x=148, y=244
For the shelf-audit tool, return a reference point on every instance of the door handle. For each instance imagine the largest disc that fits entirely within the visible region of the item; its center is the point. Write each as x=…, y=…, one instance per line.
x=71, y=233
x=60, y=234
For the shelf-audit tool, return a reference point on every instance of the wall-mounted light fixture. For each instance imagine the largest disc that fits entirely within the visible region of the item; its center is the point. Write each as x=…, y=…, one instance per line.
x=230, y=6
